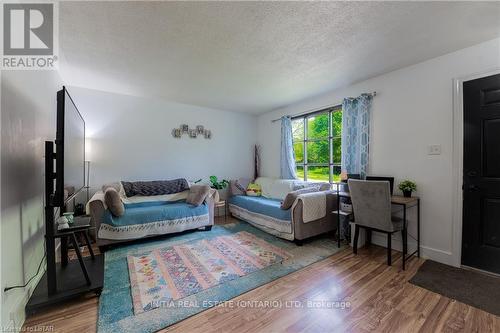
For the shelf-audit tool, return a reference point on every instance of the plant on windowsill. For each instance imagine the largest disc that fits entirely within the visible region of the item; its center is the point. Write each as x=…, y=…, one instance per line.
x=407, y=186
x=220, y=186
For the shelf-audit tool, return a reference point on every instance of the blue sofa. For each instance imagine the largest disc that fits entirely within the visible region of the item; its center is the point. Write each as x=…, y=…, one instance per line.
x=264, y=212
x=148, y=217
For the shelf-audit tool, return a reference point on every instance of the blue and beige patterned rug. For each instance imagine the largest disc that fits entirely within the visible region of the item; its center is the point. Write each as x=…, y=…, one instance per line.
x=152, y=302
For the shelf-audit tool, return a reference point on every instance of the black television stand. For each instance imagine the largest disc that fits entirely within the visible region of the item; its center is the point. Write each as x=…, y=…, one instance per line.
x=67, y=279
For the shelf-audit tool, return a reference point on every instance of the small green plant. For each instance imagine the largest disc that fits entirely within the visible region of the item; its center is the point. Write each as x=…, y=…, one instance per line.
x=407, y=186
x=218, y=185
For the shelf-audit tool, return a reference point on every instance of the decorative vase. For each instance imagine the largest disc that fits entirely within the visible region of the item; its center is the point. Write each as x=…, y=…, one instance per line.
x=62, y=223
x=69, y=217
x=222, y=194
x=407, y=194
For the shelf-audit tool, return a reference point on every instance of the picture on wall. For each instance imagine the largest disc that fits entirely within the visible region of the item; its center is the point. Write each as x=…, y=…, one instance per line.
x=193, y=133
x=176, y=133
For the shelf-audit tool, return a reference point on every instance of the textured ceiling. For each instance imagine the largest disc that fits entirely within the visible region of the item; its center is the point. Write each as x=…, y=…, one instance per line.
x=256, y=56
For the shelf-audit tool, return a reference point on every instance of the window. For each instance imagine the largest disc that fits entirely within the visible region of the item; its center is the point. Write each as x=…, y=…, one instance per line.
x=317, y=143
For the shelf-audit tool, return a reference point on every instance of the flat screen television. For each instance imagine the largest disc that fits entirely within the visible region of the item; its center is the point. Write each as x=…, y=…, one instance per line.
x=70, y=149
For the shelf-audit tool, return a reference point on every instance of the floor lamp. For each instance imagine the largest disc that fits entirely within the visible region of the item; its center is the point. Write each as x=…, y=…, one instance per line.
x=88, y=149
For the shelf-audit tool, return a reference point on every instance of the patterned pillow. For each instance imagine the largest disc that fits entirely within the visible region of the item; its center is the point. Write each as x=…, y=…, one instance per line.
x=157, y=187
x=254, y=190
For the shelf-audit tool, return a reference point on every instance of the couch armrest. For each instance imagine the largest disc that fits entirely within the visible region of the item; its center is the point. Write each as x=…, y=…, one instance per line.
x=210, y=200
x=95, y=209
x=305, y=230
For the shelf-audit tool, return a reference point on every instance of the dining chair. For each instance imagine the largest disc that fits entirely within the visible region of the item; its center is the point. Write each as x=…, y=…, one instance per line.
x=371, y=203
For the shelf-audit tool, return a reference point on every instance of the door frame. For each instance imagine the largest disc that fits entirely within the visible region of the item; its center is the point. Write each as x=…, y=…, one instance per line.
x=458, y=161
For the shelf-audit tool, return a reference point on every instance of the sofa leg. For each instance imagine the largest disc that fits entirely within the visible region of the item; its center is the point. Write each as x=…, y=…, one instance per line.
x=103, y=248
x=298, y=242
x=207, y=228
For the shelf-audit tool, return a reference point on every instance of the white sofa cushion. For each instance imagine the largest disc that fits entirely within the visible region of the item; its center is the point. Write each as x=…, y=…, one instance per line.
x=273, y=188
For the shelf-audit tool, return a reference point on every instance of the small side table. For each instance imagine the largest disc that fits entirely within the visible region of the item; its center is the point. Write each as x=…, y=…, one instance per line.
x=221, y=204
x=81, y=225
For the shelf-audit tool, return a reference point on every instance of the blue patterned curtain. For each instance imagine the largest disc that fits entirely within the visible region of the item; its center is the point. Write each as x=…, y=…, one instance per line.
x=287, y=154
x=356, y=134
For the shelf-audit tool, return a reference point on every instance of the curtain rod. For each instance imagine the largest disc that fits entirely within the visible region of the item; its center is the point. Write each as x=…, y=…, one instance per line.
x=373, y=94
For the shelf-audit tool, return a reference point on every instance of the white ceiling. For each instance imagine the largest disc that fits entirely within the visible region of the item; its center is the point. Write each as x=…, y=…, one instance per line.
x=256, y=56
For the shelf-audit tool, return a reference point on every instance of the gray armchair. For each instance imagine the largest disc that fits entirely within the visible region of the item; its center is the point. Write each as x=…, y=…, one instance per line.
x=371, y=203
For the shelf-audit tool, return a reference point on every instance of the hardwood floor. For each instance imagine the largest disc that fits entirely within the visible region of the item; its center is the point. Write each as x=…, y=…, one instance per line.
x=379, y=298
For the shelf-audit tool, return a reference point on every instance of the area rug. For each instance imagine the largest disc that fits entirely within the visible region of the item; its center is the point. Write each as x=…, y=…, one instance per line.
x=116, y=306
x=473, y=288
x=174, y=272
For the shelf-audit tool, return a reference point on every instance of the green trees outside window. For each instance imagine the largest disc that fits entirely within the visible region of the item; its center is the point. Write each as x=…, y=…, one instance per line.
x=317, y=145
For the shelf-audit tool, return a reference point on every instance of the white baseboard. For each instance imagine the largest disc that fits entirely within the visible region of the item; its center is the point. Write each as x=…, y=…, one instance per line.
x=444, y=257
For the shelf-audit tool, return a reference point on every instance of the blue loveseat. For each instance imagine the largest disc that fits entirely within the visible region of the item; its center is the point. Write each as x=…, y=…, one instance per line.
x=148, y=216
x=264, y=212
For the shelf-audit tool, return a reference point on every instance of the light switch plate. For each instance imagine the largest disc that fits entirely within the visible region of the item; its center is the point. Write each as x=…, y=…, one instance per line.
x=434, y=150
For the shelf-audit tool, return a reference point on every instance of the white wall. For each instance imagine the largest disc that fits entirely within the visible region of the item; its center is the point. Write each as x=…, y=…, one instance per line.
x=132, y=140
x=28, y=120
x=413, y=109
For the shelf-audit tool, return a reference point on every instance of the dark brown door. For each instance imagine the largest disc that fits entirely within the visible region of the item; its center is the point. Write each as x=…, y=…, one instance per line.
x=481, y=183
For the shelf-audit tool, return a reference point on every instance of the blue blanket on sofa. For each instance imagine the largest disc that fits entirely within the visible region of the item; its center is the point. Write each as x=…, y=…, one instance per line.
x=148, y=212
x=262, y=205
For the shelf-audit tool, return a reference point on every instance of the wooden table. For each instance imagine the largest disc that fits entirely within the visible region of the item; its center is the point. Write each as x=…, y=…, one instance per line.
x=395, y=200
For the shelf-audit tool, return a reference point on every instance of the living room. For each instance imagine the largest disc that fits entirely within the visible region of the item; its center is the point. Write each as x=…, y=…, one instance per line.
x=251, y=166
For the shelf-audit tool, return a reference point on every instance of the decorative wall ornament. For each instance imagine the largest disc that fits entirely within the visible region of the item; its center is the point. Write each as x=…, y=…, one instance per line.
x=176, y=132
x=193, y=133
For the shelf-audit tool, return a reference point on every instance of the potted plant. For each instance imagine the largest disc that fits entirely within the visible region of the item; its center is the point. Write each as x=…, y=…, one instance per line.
x=220, y=186
x=407, y=186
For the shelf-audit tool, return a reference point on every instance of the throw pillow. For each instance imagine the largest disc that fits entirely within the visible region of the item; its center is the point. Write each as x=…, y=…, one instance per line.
x=157, y=187
x=254, y=190
x=197, y=194
x=239, y=186
x=292, y=196
x=114, y=202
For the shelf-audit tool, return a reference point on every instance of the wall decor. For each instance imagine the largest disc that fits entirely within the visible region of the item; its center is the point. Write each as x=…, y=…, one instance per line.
x=198, y=130
x=193, y=133
x=176, y=132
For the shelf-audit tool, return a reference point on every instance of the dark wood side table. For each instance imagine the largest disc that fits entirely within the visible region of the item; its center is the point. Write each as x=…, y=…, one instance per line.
x=80, y=226
x=68, y=273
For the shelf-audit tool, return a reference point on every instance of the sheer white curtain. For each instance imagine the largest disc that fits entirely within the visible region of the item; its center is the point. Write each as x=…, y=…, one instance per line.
x=287, y=154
